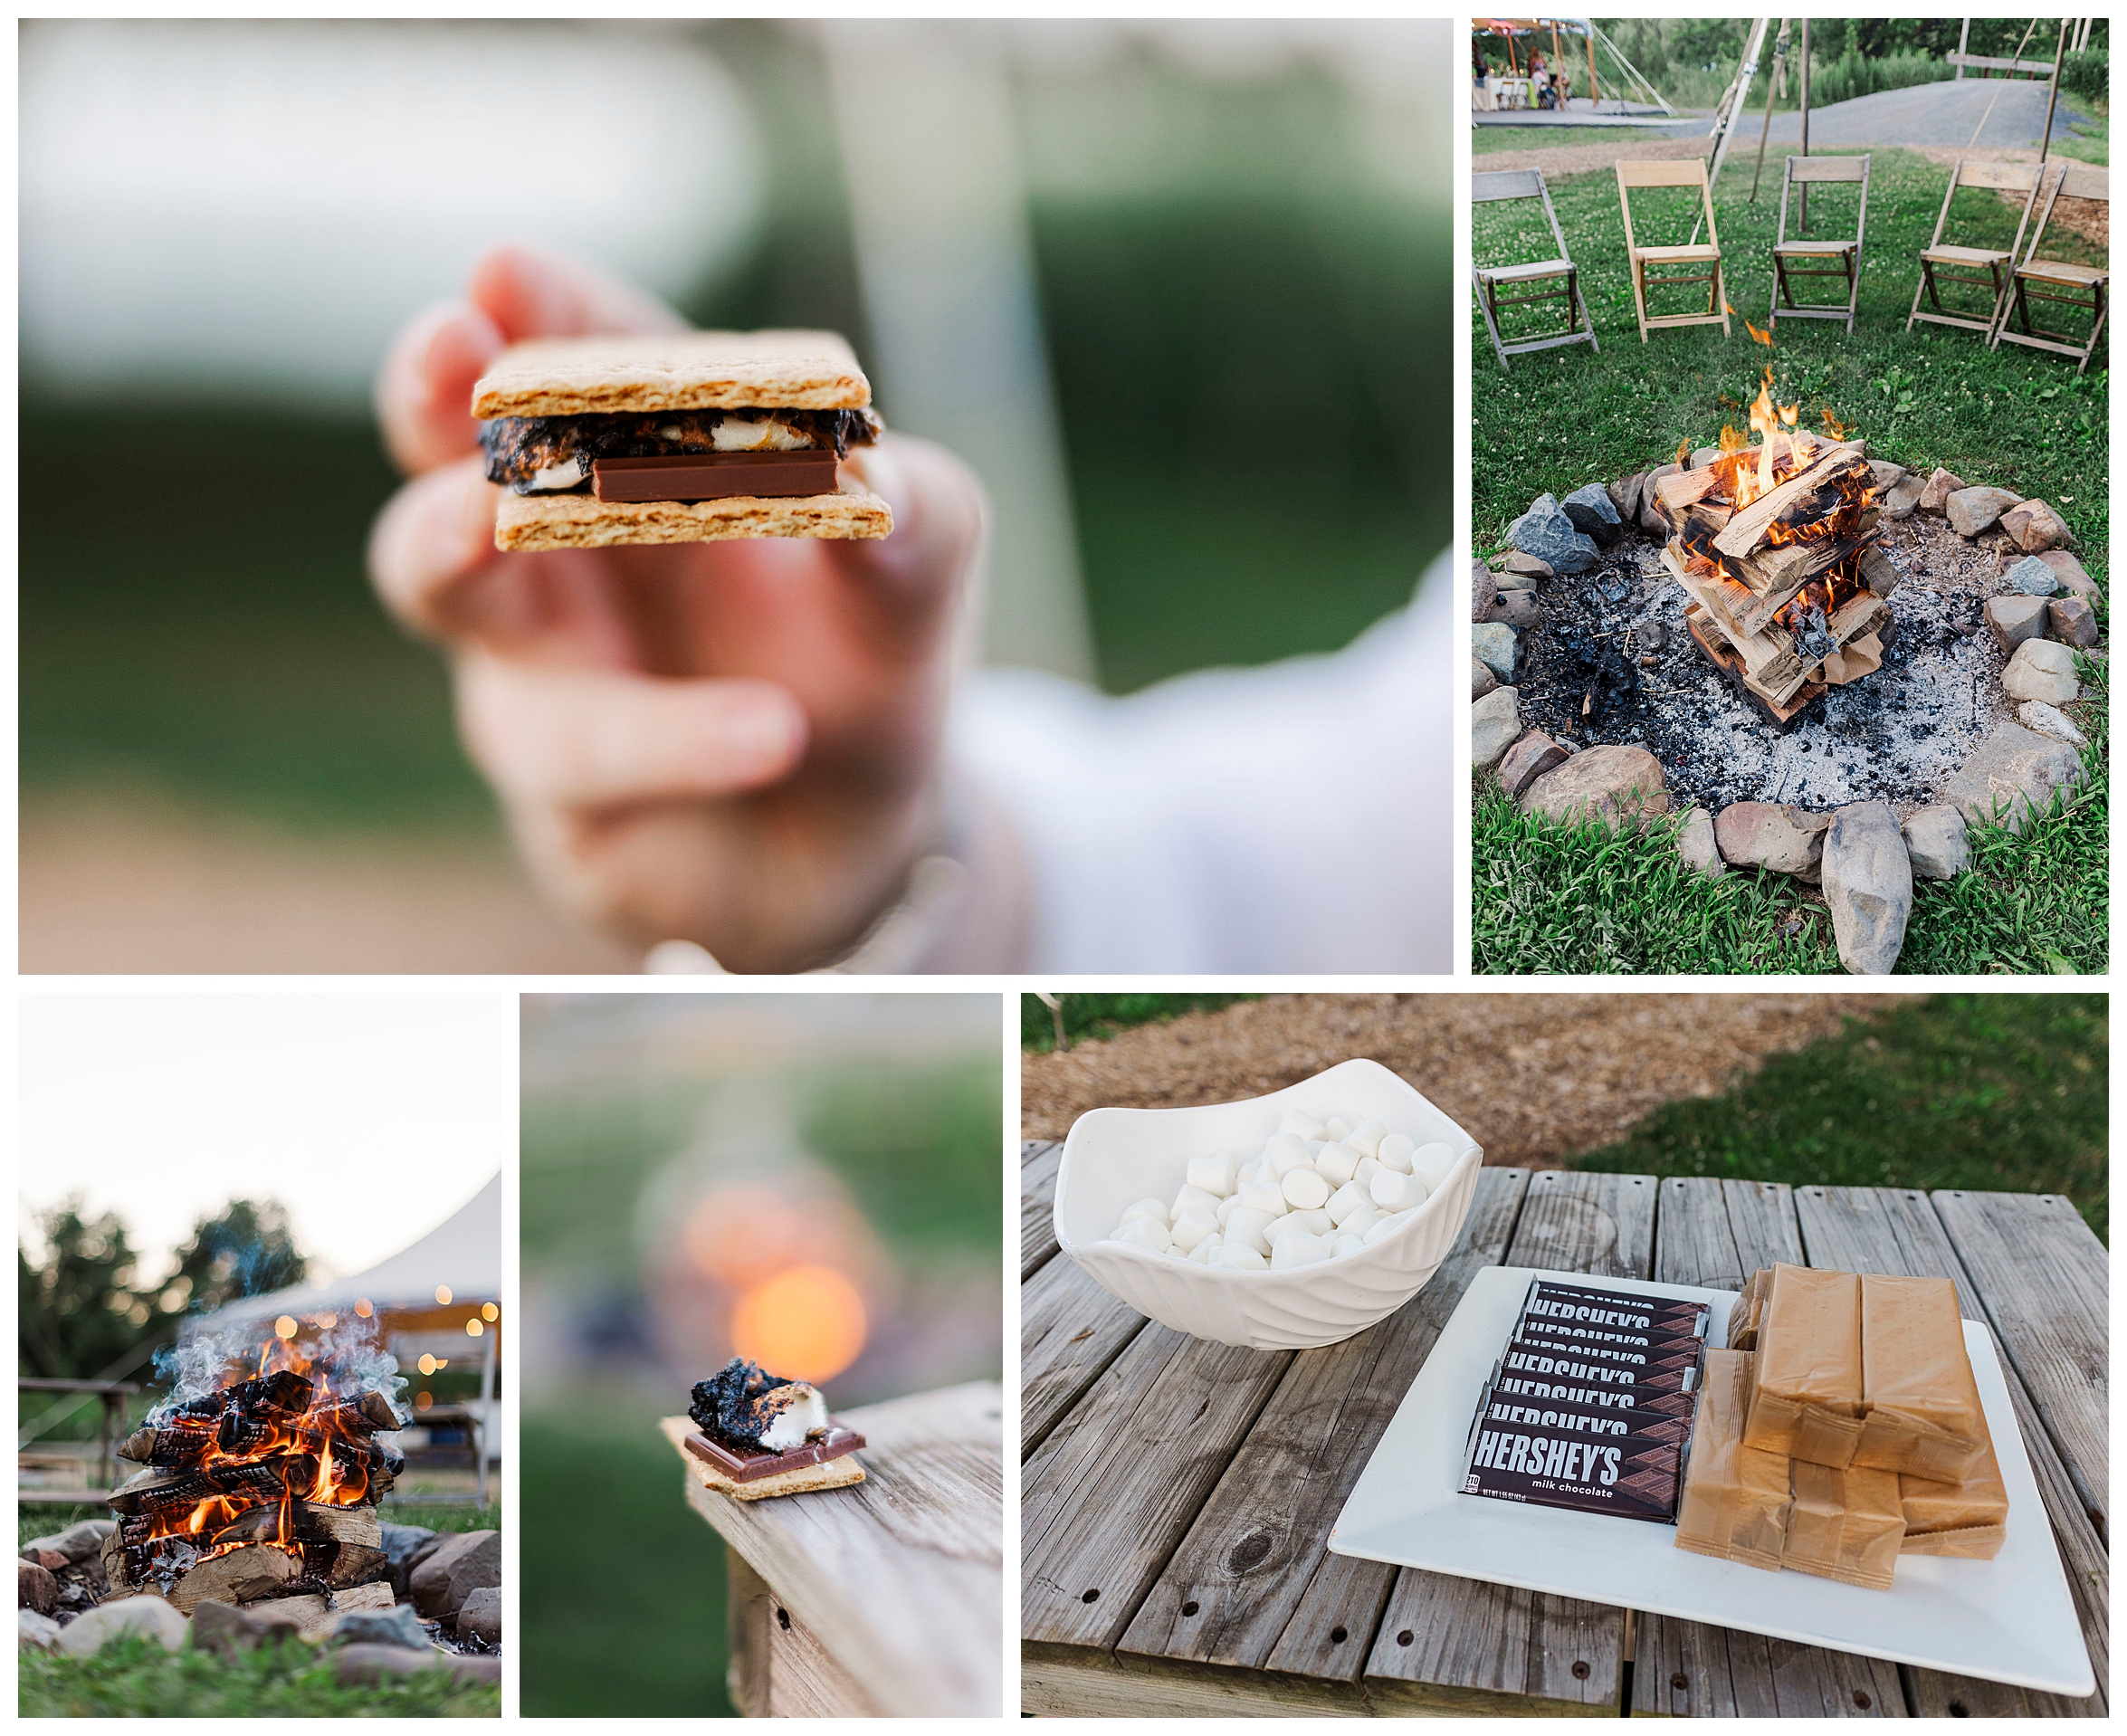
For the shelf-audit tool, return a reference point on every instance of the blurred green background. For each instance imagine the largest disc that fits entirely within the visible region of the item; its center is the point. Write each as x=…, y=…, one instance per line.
x=899, y=1097
x=1250, y=349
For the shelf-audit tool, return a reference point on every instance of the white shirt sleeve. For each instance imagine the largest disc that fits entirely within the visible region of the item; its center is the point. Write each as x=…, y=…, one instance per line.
x=1292, y=817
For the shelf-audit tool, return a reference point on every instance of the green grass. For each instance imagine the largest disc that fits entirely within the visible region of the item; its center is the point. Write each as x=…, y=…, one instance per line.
x=133, y=1677
x=2016, y=418
x=1989, y=1092
x=623, y=1586
x=1097, y=1017
x=2091, y=142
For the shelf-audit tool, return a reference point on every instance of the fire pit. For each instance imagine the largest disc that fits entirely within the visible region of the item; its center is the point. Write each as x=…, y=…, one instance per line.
x=264, y=1487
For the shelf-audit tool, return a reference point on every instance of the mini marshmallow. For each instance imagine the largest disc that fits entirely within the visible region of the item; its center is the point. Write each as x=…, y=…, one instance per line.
x=1348, y=1199
x=1336, y=1163
x=1215, y=1174
x=1366, y=1139
x=1344, y=1245
x=1300, y=1123
x=1152, y=1208
x=1245, y=1174
x=1431, y=1164
x=1283, y=1153
x=1236, y=1257
x=1246, y=1227
x=1227, y=1207
x=1192, y=1226
x=1395, y=1151
x=1173, y=1253
x=1265, y=1196
x=1145, y=1233
x=1192, y=1199
x=1336, y=1128
x=1304, y=1189
x=1364, y=1171
x=1387, y=1226
x=1315, y=1222
x=1397, y=1193
x=1298, y=1249
x=1359, y=1222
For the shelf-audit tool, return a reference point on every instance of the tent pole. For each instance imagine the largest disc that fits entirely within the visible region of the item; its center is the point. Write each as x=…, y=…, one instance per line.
x=487, y=1407
x=1779, y=65
x=1963, y=36
x=2053, y=94
x=1802, y=212
x=1595, y=91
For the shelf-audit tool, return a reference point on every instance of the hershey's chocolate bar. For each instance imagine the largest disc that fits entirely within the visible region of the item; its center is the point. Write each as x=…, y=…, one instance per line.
x=1590, y=1422
x=1558, y=1332
x=1550, y=1362
x=1633, y=1476
x=751, y=1466
x=1549, y=1300
x=1588, y=1394
x=1674, y=1353
x=715, y=476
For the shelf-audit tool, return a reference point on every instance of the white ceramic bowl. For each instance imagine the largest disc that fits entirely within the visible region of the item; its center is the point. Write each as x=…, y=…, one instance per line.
x=1115, y=1157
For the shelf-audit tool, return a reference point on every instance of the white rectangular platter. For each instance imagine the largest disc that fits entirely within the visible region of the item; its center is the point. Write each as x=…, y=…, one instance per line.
x=2010, y=1619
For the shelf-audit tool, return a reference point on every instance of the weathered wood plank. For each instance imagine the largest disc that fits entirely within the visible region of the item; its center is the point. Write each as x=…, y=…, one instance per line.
x=1079, y=1682
x=1038, y=1161
x=1253, y=1584
x=1070, y=1331
x=1716, y=1234
x=2041, y=1276
x=778, y=1667
x=1439, y=1633
x=1898, y=1230
x=1119, y=1479
x=901, y=1576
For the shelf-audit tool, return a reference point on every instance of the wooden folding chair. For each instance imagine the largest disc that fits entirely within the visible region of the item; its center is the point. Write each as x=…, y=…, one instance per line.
x=2070, y=282
x=1689, y=173
x=1804, y=258
x=1489, y=188
x=1941, y=265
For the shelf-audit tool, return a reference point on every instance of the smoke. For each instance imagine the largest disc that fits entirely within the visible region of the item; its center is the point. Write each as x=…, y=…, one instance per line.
x=343, y=1359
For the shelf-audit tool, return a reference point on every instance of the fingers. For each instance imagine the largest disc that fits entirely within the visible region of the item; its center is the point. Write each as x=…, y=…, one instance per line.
x=941, y=519
x=434, y=534
x=530, y=294
x=574, y=737
x=425, y=392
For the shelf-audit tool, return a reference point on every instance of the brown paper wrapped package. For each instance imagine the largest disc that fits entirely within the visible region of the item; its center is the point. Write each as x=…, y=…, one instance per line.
x=1966, y=1519
x=1735, y=1498
x=1749, y=1306
x=1807, y=1394
x=1923, y=1417
x=1846, y=1525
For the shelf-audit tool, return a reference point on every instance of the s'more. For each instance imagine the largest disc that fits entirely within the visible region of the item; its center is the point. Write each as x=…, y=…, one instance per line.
x=694, y=437
x=758, y=1435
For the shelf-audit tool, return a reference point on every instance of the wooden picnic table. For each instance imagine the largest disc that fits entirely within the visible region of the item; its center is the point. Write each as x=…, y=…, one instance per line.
x=1177, y=1494
x=885, y=1598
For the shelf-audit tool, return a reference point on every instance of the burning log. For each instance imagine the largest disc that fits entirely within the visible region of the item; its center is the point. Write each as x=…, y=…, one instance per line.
x=236, y=1578
x=241, y=1430
x=1839, y=478
x=283, y=1521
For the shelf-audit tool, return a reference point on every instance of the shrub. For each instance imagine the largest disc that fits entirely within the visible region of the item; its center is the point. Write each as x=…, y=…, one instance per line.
x=1857, y=75
x=2084, y=74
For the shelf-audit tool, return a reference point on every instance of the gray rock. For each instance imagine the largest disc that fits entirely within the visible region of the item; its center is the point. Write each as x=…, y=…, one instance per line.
x=368, y=1666
x=2037, y=714
x=1883, y=475
x=1611, y=786
x=398, y=1626
x=1499, y=647
x=1483, y=593
x=2071, y=574
x=37, y=1633
x=2013, y=618
x=34, y=1587
x=1702, y=456
x=2010, y=774
x=1868, y=883
x=1592, y=511
x=143, y=1613
x=1509, y=579
x=1516, y=560
x=2032, y=525
x=1786, y=840
x=401, y=1545
x=227, y=1629
x=1482, y=680
x=1936, y=843
x=480, y=1616
x=1527, y=759
x=1938, y=489
x=2041, y=668
x=1494, y=721
x=1625, y=495
x=1650, y=508
x=488, y=1669
x=2070, y=620
x=1695, y=844
x=1899, y=501
x=78, y=1542
x=2032, y=576
x=1517, y=609
x=469, y=1560
x=1546, y=532
x=1971, y=509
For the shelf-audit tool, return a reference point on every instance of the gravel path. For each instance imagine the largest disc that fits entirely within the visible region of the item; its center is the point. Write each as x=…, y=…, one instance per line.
x=1534, y=1078
x=1943, y=114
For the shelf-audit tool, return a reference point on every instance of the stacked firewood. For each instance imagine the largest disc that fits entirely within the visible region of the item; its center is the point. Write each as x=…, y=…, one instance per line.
x=1787, y=590
x=267, y=1487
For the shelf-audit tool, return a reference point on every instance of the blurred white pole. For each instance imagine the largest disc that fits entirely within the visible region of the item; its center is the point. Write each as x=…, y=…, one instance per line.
x=924, y=116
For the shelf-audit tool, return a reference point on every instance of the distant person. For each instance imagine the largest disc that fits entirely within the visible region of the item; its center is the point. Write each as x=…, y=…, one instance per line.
x=1540, y=80
x=769, y=756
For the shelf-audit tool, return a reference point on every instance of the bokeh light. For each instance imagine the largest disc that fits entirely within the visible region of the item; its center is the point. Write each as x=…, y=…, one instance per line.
x=285, y=1326
x=474, y=1329
x=489, y=1311
x=806, y=1322
x=442, y=1295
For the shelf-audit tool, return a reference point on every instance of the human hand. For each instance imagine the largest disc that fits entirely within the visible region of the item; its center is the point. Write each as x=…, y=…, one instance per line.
x=732, y=743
